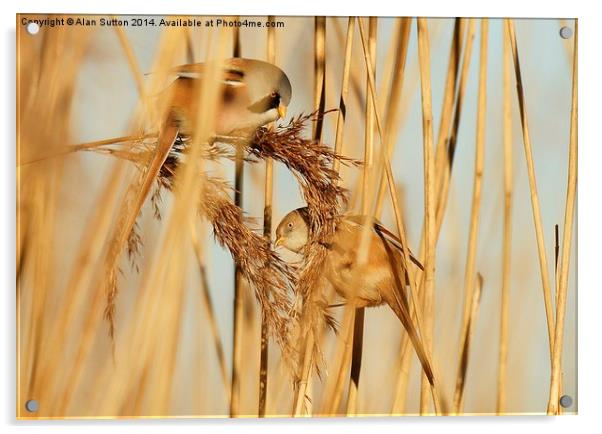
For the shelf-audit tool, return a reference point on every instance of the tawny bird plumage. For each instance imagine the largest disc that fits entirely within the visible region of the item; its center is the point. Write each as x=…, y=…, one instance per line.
x=253, y=93
x=381, y=279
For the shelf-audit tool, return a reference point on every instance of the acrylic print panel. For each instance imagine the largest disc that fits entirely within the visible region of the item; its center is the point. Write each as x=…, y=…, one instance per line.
x=295, y=216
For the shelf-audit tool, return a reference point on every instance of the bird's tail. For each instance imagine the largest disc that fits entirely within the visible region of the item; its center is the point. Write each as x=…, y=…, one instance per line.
x=398, y=301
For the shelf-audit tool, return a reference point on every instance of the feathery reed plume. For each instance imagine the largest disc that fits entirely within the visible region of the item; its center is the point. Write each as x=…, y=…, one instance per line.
x=135, y=197
x=507, y=237
x=269, y=276
x=541, y=248
x=475, y=300
x=311, y=163
x=556, y=376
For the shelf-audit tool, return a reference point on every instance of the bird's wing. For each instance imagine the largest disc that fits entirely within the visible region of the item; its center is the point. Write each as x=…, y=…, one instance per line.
x=397, y=298
x=233, y=73
x=386, y=234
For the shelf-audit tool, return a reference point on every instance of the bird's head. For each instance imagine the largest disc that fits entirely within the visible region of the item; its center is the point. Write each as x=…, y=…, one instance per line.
x=292, y=232
x=268, y=86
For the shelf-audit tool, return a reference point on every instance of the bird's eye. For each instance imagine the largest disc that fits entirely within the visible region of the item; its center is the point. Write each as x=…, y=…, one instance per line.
x=290, y=225
x=274, y=100
x=228, y=95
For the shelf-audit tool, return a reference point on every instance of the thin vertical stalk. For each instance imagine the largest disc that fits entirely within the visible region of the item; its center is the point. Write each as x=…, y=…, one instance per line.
x=210, y=311
x=394, y=112
x=342, y=113
x=423, y=354
x=356, y=360
x=301, y=395
x=238, y=296
x=474, y=218
x=567, y=233
x=507, y=237
x=369, y=121
x=451, y=87
x=473, y=228
x=452, y=83
x=358, y=328
x=319, y=72
x=465, y=346
x=445, y=163
x=267, y=233
x=541, y=248
x=429, y=199
x=334, y=390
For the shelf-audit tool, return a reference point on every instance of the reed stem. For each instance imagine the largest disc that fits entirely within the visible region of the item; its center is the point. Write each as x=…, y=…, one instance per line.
x=267, y=233
x=507, y=237
x=238, y=306
x=567, y=233
x=471, y=251
x=541, y=248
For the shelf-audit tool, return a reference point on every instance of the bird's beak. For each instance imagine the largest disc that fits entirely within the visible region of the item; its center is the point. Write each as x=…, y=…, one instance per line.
x=281, y=111
x=278, y=242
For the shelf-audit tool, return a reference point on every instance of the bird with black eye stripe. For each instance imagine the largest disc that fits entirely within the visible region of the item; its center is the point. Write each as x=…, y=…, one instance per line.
x=381, y=279
x=253, y=94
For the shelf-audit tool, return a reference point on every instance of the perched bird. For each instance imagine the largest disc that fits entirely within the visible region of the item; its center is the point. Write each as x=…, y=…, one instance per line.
x=370, y=284
x=381, y=279
x=253, y=93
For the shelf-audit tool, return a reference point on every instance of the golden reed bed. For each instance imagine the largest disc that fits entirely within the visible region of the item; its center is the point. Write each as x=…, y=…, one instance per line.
x=151, y=288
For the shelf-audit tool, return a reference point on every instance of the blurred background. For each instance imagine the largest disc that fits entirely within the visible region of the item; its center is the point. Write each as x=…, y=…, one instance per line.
x=79, y=375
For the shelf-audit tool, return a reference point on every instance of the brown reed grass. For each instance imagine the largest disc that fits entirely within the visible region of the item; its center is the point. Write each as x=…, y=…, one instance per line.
x=237, y=320
x=410, y=328
x=429, y=201
x=556, y=376
x=541, y=249
x=465, y=345
x=450, y=90
x=507, y=238
x=267, y=233
x=471, y=256
x=143, y=376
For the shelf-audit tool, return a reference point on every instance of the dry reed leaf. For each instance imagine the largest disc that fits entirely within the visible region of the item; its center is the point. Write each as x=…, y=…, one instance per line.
x=571, y=190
